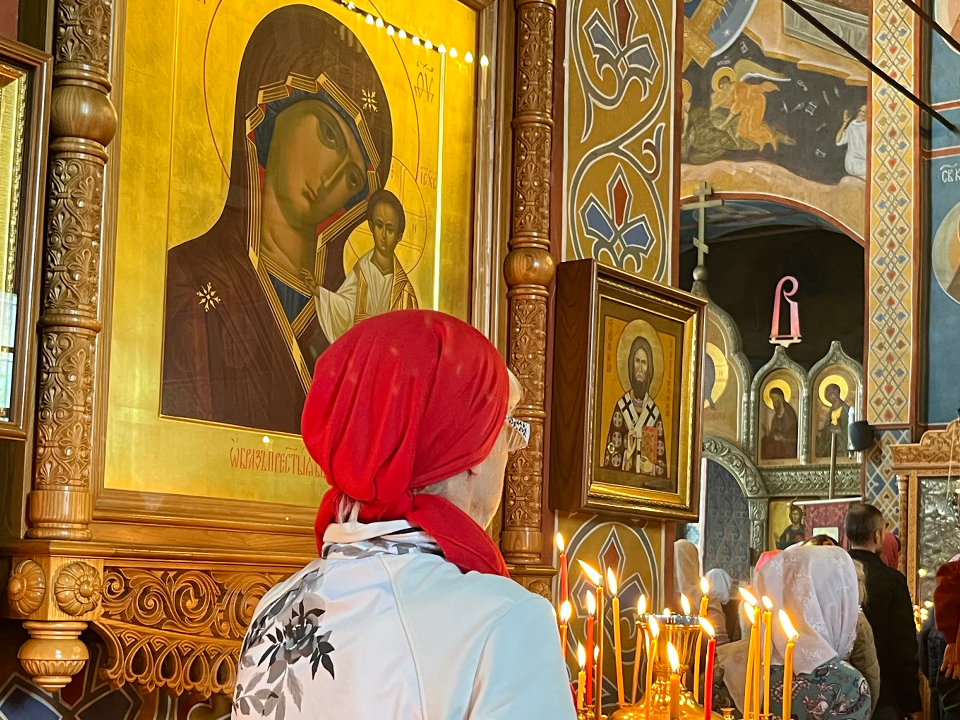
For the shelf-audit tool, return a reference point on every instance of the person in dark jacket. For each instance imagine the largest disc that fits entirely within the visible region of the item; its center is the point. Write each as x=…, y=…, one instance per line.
x=890, y=612
x=944, y=691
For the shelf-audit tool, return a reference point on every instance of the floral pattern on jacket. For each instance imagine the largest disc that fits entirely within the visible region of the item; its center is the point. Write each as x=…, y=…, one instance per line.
x=833, y=691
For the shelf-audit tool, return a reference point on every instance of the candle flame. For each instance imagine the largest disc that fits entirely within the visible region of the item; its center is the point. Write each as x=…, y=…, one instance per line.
x=749, y=597
x=654, y=627
x=566, y=610
x=767, y=602
x=592, y=575
x=704, y=585
x=748, y=611
x=642, y=605
x=581, y=655
x=685, y=604
x=674, y=657
x=591, y=604
x=707, y=626
x=596, y=652
x=612, y=581
x=666, y=612
x=788, y=629
x=561, y=543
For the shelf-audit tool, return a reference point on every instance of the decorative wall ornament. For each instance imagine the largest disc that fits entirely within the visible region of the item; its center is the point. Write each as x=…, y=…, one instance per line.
x=26, y=587
x=810, y=481
x=77, y=588
x=786, y=289
x=894, y=187
x=936, y=448
x=619, y=129
x=179, y=629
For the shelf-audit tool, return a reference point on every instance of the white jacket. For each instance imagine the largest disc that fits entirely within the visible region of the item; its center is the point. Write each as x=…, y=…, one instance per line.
x=384, y=628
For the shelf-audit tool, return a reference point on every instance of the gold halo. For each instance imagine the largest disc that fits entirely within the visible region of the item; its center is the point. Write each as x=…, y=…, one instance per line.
x=837, y=380
x=723, y=72
x=686, y=90
x=721, y=372
x=633, y=330
x=777, y=383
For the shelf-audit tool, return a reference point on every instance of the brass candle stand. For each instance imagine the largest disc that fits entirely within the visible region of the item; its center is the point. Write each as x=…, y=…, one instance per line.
x=682, y=631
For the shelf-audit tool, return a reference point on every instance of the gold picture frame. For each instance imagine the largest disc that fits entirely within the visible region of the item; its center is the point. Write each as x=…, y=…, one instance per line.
x=625, y=421
x=122, y=488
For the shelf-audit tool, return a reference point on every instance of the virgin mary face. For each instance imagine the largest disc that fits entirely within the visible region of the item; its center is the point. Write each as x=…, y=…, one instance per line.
x=315, y=164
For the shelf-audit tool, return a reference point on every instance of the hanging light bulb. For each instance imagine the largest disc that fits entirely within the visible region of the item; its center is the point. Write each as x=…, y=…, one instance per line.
x=453, y=52
x=442, y=49
x=402, y=34
x=416, y=40
x=369, y=19
x=351, y=6
x=379, y=22
x=390, y=30
x=484, y=61
x=428, y=45
x=468, y=57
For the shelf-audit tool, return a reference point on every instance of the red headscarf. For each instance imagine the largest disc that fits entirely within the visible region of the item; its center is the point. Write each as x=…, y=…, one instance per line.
x=401, y=401
x=890, y=551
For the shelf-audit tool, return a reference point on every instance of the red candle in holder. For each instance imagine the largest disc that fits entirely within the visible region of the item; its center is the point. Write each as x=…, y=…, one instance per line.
x=708, y=671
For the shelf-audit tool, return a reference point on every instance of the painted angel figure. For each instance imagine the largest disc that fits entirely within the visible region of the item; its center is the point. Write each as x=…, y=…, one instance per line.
x=743, y=90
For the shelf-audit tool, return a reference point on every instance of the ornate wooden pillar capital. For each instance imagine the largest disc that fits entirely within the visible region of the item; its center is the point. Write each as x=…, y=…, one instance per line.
x=528, y=270
x=58, y=596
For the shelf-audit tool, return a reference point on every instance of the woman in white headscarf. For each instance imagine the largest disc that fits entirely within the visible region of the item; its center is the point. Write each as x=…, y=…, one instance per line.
x=686, y=564
x=817, y=586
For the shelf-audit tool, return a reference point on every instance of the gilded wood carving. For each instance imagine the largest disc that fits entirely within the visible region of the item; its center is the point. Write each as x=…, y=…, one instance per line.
x=528, y=270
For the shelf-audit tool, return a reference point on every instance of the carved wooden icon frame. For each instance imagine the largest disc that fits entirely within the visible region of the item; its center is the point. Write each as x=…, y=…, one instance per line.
x=26, y=228
x=599, y=427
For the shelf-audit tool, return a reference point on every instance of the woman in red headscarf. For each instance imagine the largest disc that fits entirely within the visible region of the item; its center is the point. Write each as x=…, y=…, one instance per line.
x=409, y=612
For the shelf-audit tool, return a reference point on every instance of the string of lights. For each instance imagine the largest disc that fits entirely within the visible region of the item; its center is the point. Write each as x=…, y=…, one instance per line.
x=401, y=34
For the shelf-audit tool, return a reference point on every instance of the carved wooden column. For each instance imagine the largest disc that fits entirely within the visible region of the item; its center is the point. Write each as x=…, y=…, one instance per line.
x=903, y=487
x=60, y=594
x=529, y=269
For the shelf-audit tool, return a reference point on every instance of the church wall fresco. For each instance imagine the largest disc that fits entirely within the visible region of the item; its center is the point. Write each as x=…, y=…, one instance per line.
x=943, y=250
x=769, y=112
x=619, y=172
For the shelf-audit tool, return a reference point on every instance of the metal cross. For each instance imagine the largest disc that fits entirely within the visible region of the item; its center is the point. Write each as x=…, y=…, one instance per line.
x=703, y=192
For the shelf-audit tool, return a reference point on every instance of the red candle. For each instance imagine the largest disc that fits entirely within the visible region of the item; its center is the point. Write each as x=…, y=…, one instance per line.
x=564, y=570
x=591, y=620
x=566, y=610
x=708, y=671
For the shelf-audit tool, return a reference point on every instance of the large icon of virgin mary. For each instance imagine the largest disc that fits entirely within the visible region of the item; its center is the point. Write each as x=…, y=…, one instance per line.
x=241, y=331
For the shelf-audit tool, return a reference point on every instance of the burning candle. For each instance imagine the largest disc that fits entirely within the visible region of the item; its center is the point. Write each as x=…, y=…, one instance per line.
x=564, y=569
x=708, y=674
x=597, y=579
x=792, y=636
x=617, y=647
x=641, y=611
x=704, y=601
x=582, y=677
x=566, y=610
x=685, y=604
x=767, y=648
x=749, y=608
x=591, y=621
x=651, y=659
x=674, y=681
